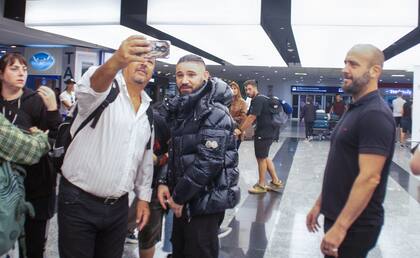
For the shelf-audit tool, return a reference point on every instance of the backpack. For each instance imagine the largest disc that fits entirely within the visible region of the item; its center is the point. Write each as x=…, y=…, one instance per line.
x=278, y=116
x=13, y=207
x=64, y=137
x=286, y=107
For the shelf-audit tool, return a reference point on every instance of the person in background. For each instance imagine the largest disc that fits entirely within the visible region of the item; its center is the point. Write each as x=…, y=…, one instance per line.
x=397, y=107
x=25, y=109
x=265, y=134
x=309, y=115
x=338, y=107
x=238, y=108
x=68, y=96
x=406, y=122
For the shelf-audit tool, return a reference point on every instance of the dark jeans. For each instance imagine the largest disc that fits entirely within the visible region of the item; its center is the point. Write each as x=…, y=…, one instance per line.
x=196, y=238
x=88, y=227
x=309, y=129
x=35, y=237
x=358, y=242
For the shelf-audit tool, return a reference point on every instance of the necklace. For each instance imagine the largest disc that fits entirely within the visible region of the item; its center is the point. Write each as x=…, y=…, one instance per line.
x=10, y=111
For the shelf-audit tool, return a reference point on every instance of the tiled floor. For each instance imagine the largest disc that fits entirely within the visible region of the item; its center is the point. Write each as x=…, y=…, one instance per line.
x=273, y=225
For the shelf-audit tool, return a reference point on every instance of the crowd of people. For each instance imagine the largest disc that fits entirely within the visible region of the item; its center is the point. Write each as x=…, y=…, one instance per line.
x=181, y=156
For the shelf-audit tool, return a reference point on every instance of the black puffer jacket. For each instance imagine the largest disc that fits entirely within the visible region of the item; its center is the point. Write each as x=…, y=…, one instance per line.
x=203, y=161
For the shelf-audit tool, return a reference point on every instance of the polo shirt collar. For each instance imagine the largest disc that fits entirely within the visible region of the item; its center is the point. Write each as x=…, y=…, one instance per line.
x=365, y=99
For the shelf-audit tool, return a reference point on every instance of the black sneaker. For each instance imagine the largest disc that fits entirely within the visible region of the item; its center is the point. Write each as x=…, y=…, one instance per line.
x=224, y=232
x=131, y=239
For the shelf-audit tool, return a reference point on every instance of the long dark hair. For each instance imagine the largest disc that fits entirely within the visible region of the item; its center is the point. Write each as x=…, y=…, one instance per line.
x=9, y=59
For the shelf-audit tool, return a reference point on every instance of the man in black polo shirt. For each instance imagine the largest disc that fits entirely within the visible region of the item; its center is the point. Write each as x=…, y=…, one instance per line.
x=264, y=135
x=362, y=146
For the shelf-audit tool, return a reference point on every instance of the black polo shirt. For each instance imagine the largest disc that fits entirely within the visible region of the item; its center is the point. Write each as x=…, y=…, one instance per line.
x=260, y=108
x=368, y=127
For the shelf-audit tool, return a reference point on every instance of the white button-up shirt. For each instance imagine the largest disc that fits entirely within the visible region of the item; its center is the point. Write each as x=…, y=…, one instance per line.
x=111, y=159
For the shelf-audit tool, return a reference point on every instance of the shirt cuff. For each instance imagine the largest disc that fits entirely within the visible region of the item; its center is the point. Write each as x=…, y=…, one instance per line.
x=144, y=193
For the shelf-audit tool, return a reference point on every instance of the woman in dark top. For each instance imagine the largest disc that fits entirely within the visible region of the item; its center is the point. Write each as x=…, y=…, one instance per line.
x=25, y=109
x=309, y=114
x=406, y=121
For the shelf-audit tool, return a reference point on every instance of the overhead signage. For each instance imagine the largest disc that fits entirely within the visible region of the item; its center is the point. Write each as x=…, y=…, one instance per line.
x=315, y=89
x=42, y=61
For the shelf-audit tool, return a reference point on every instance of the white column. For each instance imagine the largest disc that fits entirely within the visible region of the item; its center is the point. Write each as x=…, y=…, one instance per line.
x=416, y=105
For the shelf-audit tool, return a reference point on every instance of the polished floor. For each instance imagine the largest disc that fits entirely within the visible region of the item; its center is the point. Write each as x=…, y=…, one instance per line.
x=272, y=225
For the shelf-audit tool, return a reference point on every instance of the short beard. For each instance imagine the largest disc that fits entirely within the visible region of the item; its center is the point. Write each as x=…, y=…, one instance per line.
x=358, y=84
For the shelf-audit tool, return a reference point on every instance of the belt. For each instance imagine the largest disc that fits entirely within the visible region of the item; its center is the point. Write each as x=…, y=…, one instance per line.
x=104, y=200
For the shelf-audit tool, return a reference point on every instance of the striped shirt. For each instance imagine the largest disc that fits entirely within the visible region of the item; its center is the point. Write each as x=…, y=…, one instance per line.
x=111, y=159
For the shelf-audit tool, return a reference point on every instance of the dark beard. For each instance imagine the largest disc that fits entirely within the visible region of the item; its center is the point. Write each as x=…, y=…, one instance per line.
x=358, y=84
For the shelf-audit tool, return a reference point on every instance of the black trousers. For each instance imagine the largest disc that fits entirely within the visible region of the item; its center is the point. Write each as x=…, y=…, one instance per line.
x=88, y=227
x=309, y=129
x=35, y=237
x=358, y=242
x=196, y=238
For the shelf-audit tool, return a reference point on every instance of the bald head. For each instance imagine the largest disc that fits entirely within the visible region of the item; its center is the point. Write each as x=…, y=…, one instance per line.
x=372, y=53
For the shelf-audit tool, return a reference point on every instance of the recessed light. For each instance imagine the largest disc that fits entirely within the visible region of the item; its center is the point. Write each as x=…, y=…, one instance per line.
x=398, y=75
x=223, y=70
x=395, y=82
x=284, y=78
x=301, y=74
x=256, y=72
x=262, y=76
x=3, y=51
x=380, y=80
x=165, y=65
x=159, y=72
x=321, y=76
x=275, y=71
x=268, y=79
x=240, y=75
x=282, y=28
x=290, y=49
x=13, y=46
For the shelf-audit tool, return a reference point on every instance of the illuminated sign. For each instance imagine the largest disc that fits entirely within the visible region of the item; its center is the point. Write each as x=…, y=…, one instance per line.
x=42, y=61
x=315, y=89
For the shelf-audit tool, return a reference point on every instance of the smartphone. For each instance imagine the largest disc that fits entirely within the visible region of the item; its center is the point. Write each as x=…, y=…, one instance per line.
x=160, y=49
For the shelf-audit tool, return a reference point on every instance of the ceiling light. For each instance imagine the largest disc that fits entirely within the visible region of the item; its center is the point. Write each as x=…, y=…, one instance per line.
x=321, y=76
x=333, y=31
x=93, y=23
x=301, y=74
x=13, y=46
x=290, y=49
x=159, y=72
x=233, y=19
x=268, y=79
x=165, y=65
x=240, y=75
x=256, y=72
x=223, y=70
x=3, y=51
x=395, y=82
x=275, y=71
x=284, y=78
x=282, y=28
x=398, y=75
x=262, y=76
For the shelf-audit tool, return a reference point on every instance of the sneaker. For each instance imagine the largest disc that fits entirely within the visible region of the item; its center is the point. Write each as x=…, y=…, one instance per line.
x=224, y=232
x=275, y=186
x=257, y=189
x=131, y=239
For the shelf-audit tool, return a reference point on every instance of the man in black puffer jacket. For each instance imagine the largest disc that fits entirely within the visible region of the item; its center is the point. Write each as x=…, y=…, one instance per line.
x=202, y=179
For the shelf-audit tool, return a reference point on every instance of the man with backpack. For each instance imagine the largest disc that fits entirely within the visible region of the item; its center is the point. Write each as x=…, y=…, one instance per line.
x=110, y=157
x=265, y=133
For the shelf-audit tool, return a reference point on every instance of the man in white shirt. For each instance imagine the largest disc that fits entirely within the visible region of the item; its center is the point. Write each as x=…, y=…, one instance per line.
x=103, y=164
x=397, y=107
x=68, y=96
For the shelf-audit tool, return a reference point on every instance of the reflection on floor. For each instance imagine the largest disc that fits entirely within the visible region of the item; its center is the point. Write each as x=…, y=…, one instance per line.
x=272, y=225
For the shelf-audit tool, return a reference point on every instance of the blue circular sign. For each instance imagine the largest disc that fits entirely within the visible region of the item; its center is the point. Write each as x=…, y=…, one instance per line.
x=42, y=61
